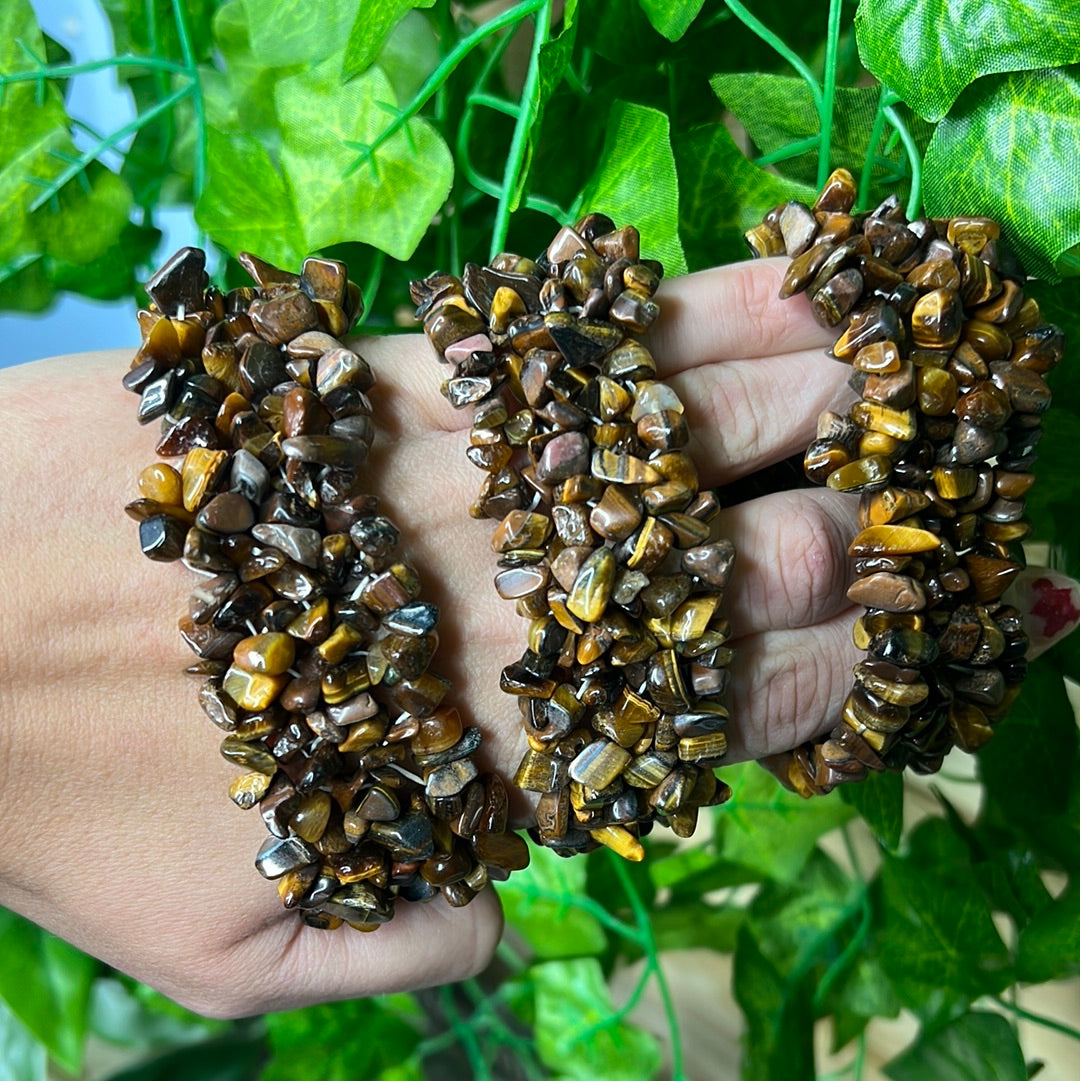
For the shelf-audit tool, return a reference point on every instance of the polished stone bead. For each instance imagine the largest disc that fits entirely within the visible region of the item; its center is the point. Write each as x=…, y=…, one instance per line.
x=904, y=647
x=161, y=537
x=247, y=789
x=450, y=779
x=888, y=592
x=521, y=529
x=252, y=690
x=563, y=457
x=706, y=747
x=900, y=424
x=616, y=515
x=832, y=302
x=513, y=583
x=969, y=726
x=592, y=586
x=862, y=475
x=272, y=653
x=279, y=855
x=893, y=540
x=878, y=357
x=990, y=575
x=300, y=544
x=161, y=483
x=200, y=474
x=283, y=316
x=986, y=407
x=599, y=764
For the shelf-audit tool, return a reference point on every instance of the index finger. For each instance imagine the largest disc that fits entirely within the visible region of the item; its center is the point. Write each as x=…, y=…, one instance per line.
x=731, y=312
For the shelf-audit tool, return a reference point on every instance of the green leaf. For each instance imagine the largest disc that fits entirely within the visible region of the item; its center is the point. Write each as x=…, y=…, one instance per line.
x=1026, y=782
x=697, y=925
x=778, y=111
x=410, y=54
x=635, y=181
x=46, y=984
x=1050, y=944
x=929, y=50
x=87, y=214
x=374, y=21
x=290, y=32
x=578, y=1032
x=766, y=827
x=798, y=925
x=721, y=195
x=672, y=18
x=243, y=96
x=354, y=1039
x=1008, y=150
x=880, y=801
x=240, y=216
x=123, y=1013
x=778, y=1041
x=311, y=203
x=23, y=1057
x=977, y=1046
x=148, y=28
x=541, y=898
x=938, y=940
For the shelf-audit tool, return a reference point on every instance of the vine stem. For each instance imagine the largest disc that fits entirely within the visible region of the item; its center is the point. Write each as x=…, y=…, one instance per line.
x=648, y=943
x=886, y=97
x=188, y=53
x=1039, y=1019
x=65, y=71
x=437, y=79
x=526, y=115
x=770, y=38
x=828, y=95
x=107, y=143
x=914, y=158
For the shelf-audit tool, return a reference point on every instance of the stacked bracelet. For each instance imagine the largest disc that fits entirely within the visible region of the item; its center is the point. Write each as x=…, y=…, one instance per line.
x=604, y=539
x=313, y=639
x=948, y=358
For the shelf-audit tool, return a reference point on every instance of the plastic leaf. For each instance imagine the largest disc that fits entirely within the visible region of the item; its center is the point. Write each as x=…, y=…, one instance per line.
x=977, y=1046
x=929, y=50
x=635, y=181
x=1009, y=150
x=576, y=1032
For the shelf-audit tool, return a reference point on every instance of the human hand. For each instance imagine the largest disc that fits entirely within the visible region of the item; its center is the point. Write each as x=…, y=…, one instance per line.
x=147, y=864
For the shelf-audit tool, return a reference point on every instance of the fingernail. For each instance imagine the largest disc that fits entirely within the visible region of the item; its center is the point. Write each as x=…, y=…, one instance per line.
x=1050, y=604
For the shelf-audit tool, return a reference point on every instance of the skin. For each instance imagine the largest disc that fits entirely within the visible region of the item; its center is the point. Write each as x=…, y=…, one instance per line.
x=119, y=835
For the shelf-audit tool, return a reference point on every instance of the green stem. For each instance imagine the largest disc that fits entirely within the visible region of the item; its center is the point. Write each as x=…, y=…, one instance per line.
x=914, y=158
x=107, y=143
x=792, y=150
x=777, y=43
x=1039, y=1019
x=847, y=955
x=547, y=206
x=648, y=942
x=371, y=288
x=512, y=173
x=586, y=904
x=476, y=97
x=435, y=81
x=188, y=53
x=465, y=1035
x=828, y=95
x=65, y=71
x=885, y=98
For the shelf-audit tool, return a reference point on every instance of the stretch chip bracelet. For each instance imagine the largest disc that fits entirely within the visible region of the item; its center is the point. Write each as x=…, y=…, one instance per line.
x=604, y=539
x=948, y=358
x=313, y=639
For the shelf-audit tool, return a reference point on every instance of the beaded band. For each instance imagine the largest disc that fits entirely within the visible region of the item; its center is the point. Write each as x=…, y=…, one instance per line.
x=313, y=637
x=948, y=358
x=604, y=539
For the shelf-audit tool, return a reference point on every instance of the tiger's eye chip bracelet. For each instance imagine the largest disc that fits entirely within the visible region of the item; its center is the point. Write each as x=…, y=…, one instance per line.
x=312, y=635
x=948, y=358
x=604, y=540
